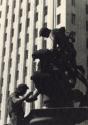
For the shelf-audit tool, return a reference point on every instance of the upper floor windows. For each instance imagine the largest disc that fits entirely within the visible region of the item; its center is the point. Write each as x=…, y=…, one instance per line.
x=58, y=19
x=58, y=3
x=73, y=2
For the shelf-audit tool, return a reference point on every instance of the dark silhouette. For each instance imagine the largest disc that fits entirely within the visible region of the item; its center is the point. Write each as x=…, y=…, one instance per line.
x=58, y=70
x=15, y=105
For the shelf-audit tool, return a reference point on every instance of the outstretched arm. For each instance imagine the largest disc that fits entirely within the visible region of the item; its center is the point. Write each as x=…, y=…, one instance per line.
x=19, y=100
x=33, y=97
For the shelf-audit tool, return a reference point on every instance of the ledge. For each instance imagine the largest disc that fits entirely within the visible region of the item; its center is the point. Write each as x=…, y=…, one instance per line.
x=59, y=116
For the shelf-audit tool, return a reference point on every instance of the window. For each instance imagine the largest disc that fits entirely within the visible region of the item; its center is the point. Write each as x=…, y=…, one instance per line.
x=13, y=17
x=20, y=12
x=9, y=78
x=28, y=6
x=18, y=58
x=35, y=47
x=4, y=51
x=36, y=33
x=73, y=19
x=58, y=3
x=36, y=16
x=26, y=54
x=73, y=2
x=45, y=10
x=11, y=47
x=20, y=27
x=6, y=23
x=87, y=26
x=21, y=1
x=86, y=8
x=44, y=44
x=10, y=62
x=27, y=37
x=5, y=38
x=58, y=19
x=0, y=14
x=7, y=9
x=3, y=66
x=0, y=97
x=25, y=71
x=17, y=75
x=45, y=24
x=19, y=42
x=28, y=22
x=37, y=2
x=12, y=33
x=1, y=82
x=87, y=43
x=0, y=2
x=14, y=4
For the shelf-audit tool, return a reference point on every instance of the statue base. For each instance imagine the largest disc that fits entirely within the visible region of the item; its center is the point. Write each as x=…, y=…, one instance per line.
x=59, y=116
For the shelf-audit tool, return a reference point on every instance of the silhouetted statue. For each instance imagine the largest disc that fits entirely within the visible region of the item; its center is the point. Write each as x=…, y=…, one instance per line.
x=58, y=70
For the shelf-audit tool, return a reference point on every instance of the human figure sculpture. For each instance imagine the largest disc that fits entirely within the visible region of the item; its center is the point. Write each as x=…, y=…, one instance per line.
x=58, y=70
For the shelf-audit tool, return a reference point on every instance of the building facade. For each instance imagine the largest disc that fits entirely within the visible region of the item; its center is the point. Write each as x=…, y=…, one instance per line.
x=20, y=22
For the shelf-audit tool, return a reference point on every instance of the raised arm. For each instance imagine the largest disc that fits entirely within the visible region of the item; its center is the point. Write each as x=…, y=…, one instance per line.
x=33, y=97
x=19, y=100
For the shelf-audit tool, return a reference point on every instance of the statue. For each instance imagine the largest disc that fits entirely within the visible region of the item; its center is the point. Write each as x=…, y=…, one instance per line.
x=58, y=71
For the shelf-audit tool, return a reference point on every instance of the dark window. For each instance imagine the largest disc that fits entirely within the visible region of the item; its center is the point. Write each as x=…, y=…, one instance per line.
x=14, y=4
x=25, y=71
x=6, y=23
x=45, y=24
x=12, y=33
x=7, y=9
x=10, y=62
x=1, y=82
x=26, y=54
x=13, y=17
x=87, y=26
x=73, y=19
x=28, y=22
x=4, y=51
x=73, y=2
x=58, y=3
x=3, y=66
x=36, y=32
x=18, y=58
x=36, y=16
x=27, y=37
x=87, y=43
x=0, y=14
x=9, y=78
x=19, y=42
x=0, y=2
x=35, y=47
x=20, y=27
x=37, y=2
x=45, y=10
x=58, y=19
x=11, y=47
x=20, y=12
x=86, y=8
x=28, y=6
x=0, y=97
x=17, y=75
x=5, y=38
